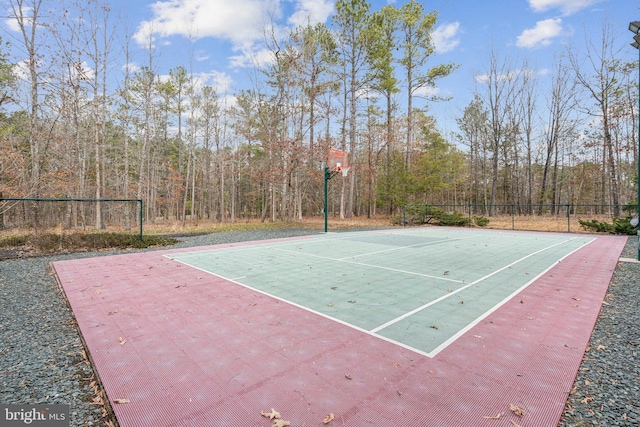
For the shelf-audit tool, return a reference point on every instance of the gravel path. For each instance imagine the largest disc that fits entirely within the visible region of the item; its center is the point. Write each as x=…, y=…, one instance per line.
x=607, y=388
x=42, y=360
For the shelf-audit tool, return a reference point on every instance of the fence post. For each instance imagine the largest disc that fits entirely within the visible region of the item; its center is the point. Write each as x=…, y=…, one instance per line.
x=568, y=218
x=404, y=215
x=513, y=217
x=140, y=201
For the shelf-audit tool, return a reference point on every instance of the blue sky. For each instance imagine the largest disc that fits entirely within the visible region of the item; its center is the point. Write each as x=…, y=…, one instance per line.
x=218, y=39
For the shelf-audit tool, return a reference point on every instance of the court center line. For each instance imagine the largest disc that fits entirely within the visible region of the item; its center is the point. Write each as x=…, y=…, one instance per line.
x=399, y=248
x=395, y=270
x=450, y=294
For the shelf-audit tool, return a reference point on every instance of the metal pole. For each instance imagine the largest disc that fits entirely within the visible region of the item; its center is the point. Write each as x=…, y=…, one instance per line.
x=634, y=27
x=638, y=158
x=513, y=217
x=326, y=199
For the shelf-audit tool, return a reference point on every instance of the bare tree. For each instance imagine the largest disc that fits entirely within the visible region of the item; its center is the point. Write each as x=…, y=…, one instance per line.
x=560, y=105
x=599, y=75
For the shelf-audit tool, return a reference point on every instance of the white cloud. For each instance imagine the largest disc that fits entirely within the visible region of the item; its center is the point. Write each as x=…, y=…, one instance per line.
x=133, y=68
x=427, y=92
x=237, y=20
x=567, y=7
x=241, y=22
x=250, y=57
x=311, y=12
x=510, y=76
x=221, y=82
x=12, y=25
x=541, y=35
x=20, y=70
x=202, y=56
x=444, y=37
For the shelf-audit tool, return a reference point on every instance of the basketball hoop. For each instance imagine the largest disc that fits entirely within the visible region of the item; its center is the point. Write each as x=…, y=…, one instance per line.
x=338, y=162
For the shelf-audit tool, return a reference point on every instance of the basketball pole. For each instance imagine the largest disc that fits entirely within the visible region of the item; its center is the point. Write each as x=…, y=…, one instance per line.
x=327, y=176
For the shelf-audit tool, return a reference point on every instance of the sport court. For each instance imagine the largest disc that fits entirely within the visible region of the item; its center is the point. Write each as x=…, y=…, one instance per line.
x=419, y=326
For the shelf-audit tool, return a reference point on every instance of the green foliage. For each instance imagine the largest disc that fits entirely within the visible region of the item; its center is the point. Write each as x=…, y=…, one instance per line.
x=52, y=243
x=12, y=241
x=481, y=221
x=426, y=214
x=620, y=226
x=395, y=184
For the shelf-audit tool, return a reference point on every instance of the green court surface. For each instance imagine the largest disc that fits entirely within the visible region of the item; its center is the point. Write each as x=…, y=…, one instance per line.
x=419, y=288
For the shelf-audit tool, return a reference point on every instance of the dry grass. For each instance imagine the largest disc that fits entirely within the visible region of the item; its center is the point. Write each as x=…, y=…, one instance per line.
x=558, y=223
x=167, y=228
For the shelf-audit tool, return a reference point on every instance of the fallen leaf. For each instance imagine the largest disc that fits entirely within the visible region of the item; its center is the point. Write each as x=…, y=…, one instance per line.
x=587, y=382
x=328, y=418
x=624, y=417
x=516, y=410
x=352, y=301
x=347, y=376
x=281, y=423
x=461, y=302
x=122, y=341
x=530, y=318
x=587, y=400
x=601, y=347
x=574, y=298
x=397, y=364
x=123, y=400
x=433, y=371
x=334, y=287
x=446, y=272
x=111, y=313
x=497, y=417
x=478, y=336
x=433, y=327
x=399, y=392
x=271, y=415
x=329, y=305
x=515, y=423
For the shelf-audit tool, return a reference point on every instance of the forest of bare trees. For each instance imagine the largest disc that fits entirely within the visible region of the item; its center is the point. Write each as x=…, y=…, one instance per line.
x=76, y=123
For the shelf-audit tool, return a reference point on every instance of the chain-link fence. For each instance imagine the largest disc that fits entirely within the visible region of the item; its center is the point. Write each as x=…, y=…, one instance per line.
x=58, y=215
x=546, y=217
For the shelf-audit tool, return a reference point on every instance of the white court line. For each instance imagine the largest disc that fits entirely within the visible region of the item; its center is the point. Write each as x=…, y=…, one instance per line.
x=464, y=330
x=326, y=316
x=395, y=270
x=450, y=294
x=398, y=248
x=374, y=331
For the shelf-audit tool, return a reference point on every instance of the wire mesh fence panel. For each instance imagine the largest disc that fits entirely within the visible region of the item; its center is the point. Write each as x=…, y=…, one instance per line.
x=42, y=215
x=565, y=218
